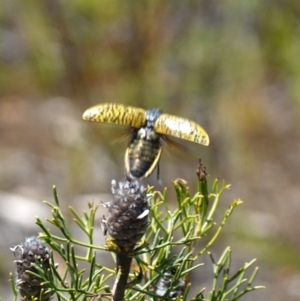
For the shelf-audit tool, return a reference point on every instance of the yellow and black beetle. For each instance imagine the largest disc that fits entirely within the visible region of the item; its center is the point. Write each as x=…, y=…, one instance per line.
x=149, y=129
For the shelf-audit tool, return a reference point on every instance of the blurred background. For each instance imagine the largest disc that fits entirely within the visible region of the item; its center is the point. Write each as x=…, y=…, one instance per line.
x=232, y=66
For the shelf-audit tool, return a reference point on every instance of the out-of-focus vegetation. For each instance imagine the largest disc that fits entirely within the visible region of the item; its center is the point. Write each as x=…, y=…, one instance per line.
x=232, y=66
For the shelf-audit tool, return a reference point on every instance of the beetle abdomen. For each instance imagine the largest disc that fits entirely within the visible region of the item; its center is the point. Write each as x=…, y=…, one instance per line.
x=141, y=158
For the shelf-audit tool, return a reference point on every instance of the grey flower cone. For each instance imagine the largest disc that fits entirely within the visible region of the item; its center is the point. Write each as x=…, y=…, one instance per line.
x=127, y=220
x=26, y=254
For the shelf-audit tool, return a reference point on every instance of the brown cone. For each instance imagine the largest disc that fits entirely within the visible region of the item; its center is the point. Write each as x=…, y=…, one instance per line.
x=127, y=220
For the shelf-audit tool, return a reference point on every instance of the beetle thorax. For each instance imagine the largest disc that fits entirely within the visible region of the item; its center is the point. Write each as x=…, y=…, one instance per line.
x=147, y=133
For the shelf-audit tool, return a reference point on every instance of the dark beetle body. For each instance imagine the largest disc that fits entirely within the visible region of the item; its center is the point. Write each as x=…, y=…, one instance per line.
x=150, y=128
x=144, y=151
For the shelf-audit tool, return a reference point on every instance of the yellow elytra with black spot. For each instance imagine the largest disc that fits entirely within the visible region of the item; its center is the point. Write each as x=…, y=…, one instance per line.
x=149, y=128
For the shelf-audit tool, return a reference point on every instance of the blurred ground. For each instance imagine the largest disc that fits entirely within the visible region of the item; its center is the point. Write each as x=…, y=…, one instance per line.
x=232, y=66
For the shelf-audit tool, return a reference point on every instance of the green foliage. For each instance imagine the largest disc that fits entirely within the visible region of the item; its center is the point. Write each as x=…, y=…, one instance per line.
x=171, y=250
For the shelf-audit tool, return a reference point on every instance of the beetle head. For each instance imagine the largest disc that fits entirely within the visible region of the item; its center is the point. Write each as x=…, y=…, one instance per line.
x=152, y=115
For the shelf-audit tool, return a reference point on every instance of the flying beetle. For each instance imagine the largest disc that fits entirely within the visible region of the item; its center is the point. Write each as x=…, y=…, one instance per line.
x=150, y=128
